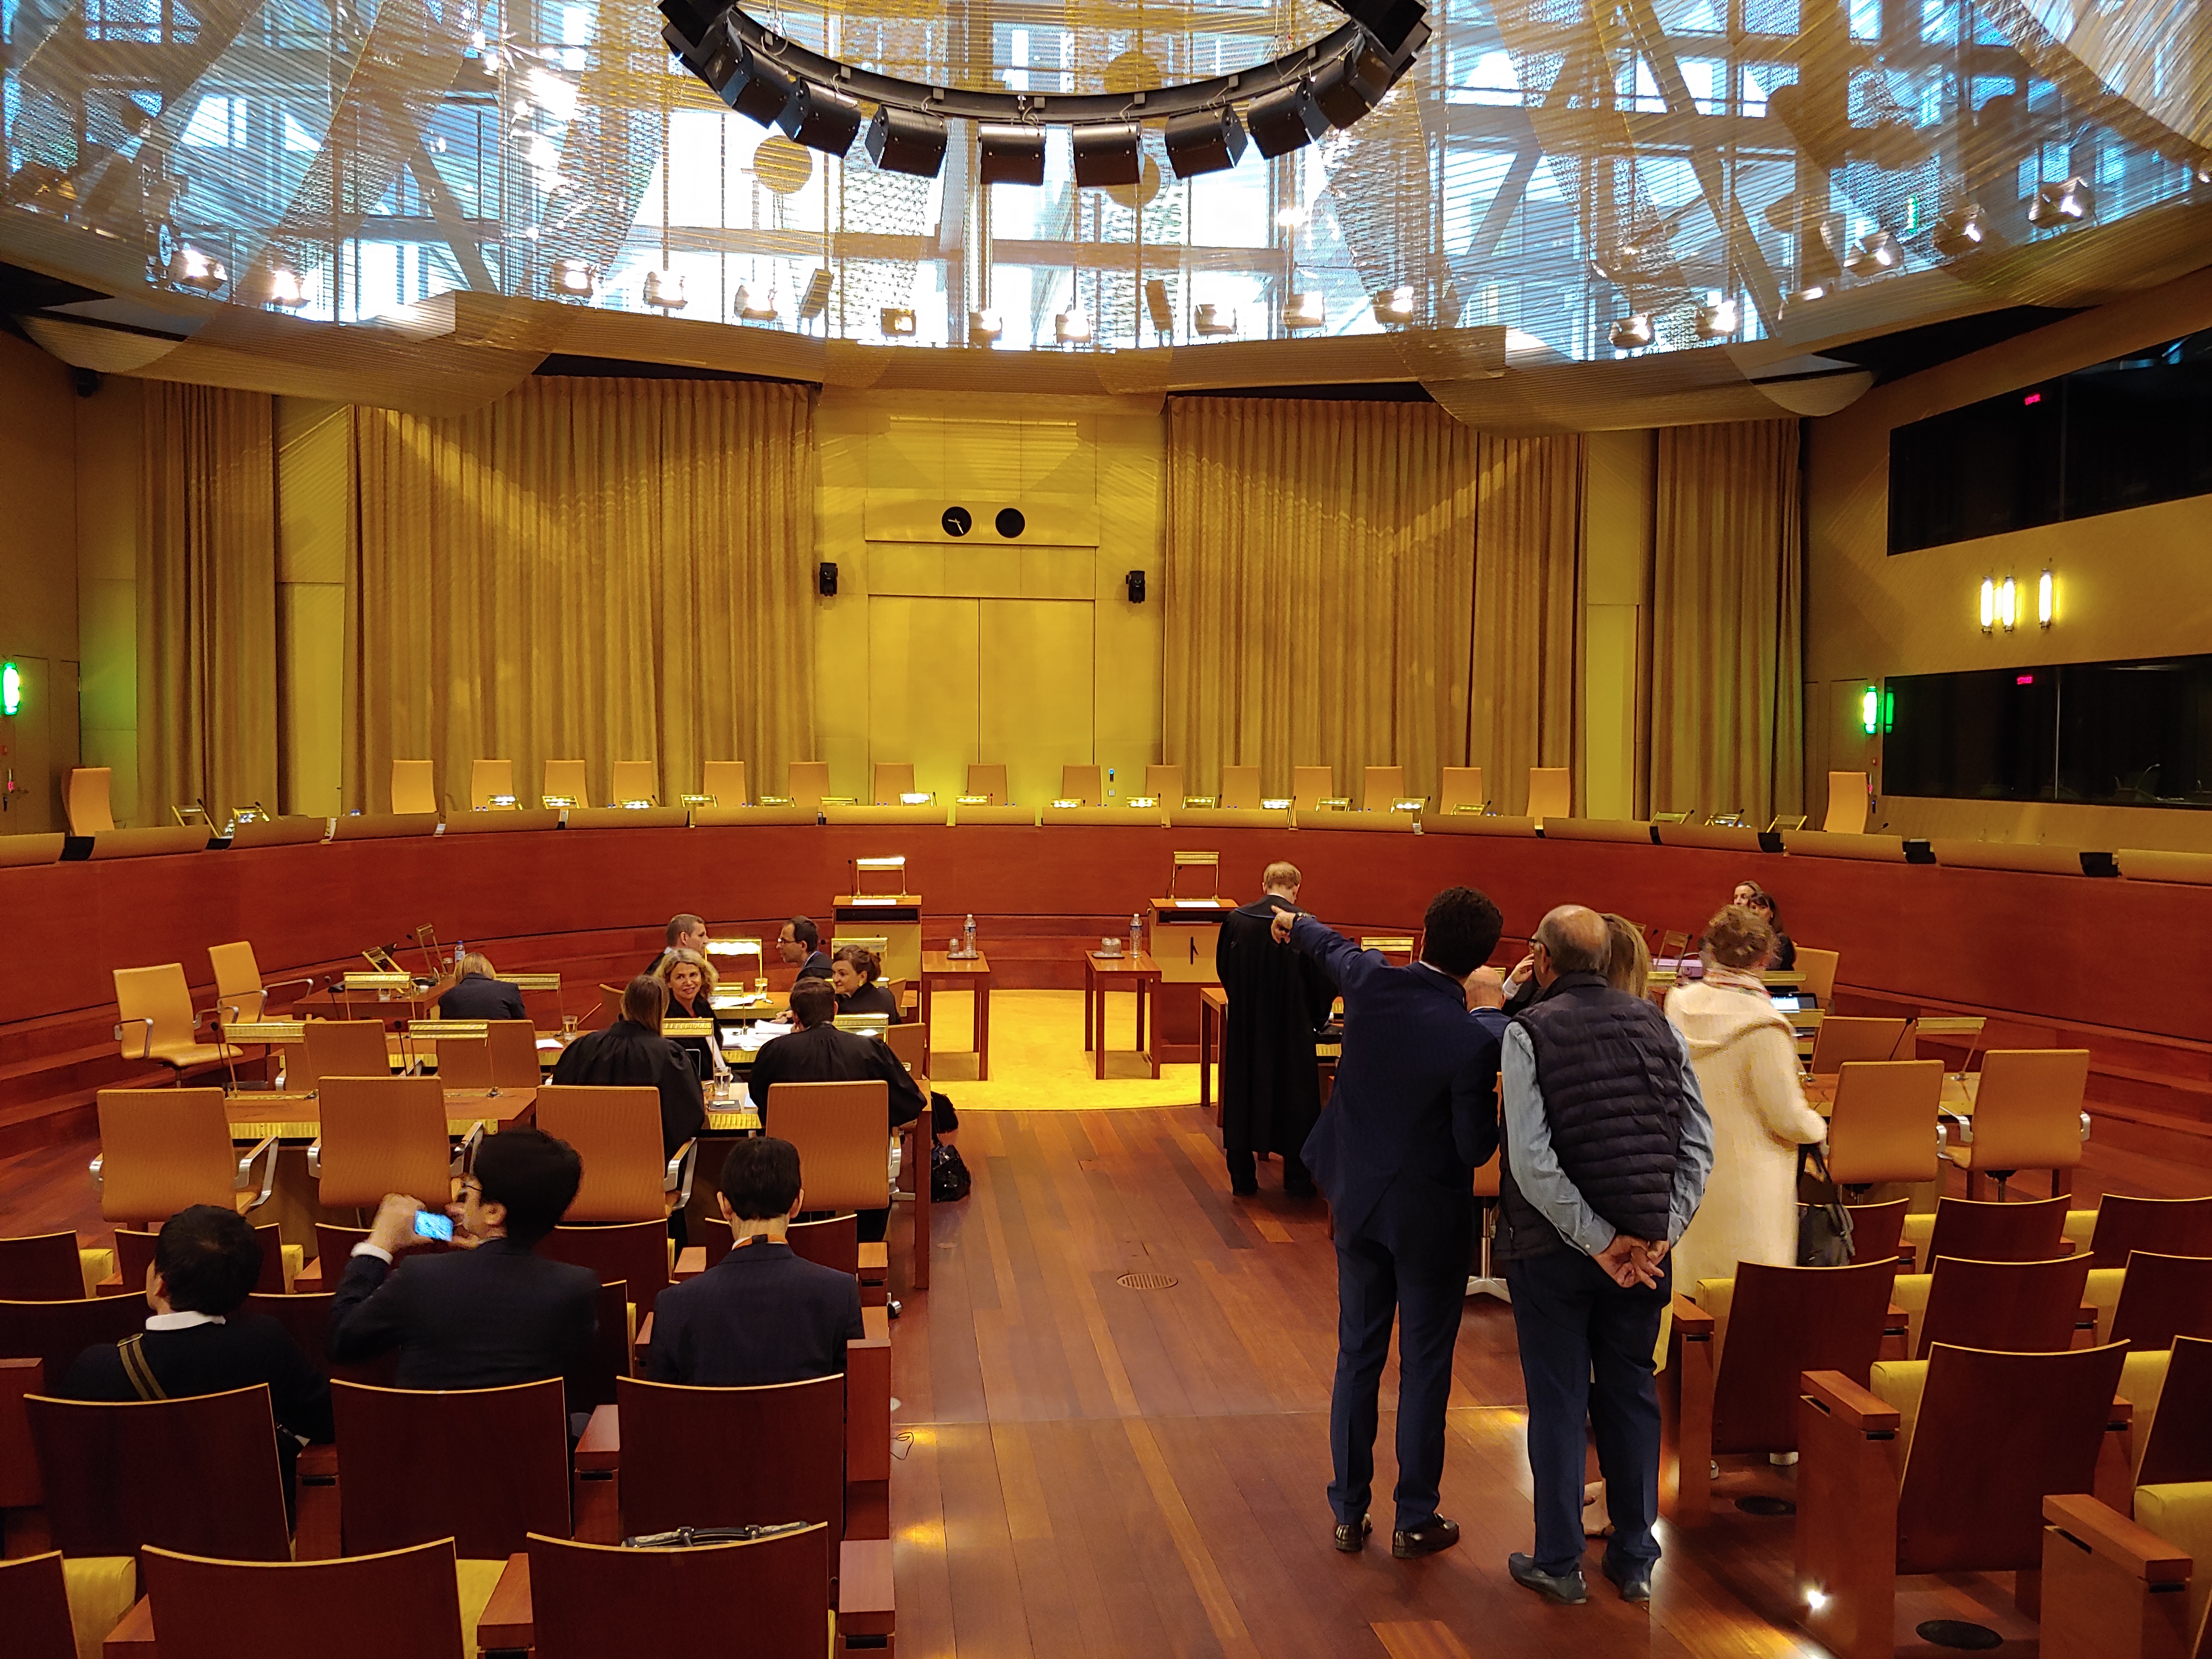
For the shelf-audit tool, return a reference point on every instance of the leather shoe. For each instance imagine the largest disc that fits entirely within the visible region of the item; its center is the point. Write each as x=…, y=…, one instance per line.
x=1567, y=1588
x=1634, y=1578
x=1433, y=1534
x=1351, y=1536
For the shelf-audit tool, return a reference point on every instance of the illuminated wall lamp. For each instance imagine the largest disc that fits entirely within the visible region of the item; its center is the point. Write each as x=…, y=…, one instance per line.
x=1989, y=604
x=1870, y=711
x=2046, y=599
x=2007, y=604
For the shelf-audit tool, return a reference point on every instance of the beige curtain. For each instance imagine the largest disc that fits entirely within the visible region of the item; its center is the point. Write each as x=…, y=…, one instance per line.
x=207, y=602
x=1727, y=621
x=1367, y=584
x=599, y=570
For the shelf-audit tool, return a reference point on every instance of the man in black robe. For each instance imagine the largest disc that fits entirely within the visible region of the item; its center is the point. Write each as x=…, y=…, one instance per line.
x=1270, y=1084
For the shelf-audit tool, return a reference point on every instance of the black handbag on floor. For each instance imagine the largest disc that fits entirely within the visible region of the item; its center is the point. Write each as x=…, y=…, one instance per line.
x=1824, y=1230
x=949, y=1180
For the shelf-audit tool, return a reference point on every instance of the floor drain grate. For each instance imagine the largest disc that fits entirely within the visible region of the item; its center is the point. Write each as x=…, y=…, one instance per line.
x=1146, y=1281
x=1958, y=1633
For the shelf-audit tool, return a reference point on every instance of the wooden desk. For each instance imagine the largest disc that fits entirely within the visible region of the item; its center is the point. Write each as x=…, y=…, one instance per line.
x=1213, y=1030
x=1140, y=974
x=255, y=1114
x=940, y=970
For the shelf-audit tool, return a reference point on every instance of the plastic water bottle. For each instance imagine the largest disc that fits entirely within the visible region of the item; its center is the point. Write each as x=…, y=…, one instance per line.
x=1137, y=934
x=968, y=938
x=460, y=950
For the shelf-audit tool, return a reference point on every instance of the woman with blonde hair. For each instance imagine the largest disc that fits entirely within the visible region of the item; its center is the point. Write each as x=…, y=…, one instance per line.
x=1745, y=1054
x=691, y=979
x=1628, y=965
x=475, y=991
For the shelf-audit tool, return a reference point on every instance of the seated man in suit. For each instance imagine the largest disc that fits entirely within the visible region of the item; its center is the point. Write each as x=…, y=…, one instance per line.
x=632, y=1052
x=492, y=1311
x=197, y=1340
x=476, y=992
x=800, y=944
x=761, y=1313
x=685, y=932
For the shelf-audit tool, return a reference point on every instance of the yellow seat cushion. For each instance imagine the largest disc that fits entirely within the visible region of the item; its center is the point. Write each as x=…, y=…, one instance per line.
x=2182, y=1515
x=1717, y=1297
x=94, y=1265
x=2080, y=1227
x=1901, y=1382
x=2143, y=1379
x=1918, y=1230
x=101, y=1589
x=476, y=1581
x=194, y=1054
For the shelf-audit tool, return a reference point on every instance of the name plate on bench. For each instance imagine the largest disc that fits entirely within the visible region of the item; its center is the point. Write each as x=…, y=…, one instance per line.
x=264, y=1030
x=687, y=1028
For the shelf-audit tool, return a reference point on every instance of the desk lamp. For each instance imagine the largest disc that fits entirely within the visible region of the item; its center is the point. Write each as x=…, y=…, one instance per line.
x=1409, y=803
x=863, y=868
x=1207, y=862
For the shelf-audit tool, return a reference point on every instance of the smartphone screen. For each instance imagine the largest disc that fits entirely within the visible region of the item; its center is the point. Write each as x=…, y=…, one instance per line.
x=429, y=1224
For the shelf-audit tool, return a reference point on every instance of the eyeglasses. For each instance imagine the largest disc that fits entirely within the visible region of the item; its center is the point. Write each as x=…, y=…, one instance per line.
x=471, y=1187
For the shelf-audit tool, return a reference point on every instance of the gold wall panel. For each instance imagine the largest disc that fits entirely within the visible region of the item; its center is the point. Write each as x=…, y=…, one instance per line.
x=922, y=690
x=1037, y=709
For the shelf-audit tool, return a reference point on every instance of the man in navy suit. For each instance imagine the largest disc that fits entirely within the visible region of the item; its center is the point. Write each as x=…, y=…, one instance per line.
x=1415, y=1112
x=761, y=1313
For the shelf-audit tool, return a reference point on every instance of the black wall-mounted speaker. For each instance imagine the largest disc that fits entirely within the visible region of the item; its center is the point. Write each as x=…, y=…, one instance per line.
x=825, y=579
x=1135, y=580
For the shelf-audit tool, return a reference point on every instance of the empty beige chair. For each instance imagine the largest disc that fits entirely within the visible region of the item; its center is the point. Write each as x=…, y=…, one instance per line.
x=90, y=811
x=617, y=1132
x=1818, y=967
x=162, y=1150
x=842, y=1130
x=1883, y=1127
x=1847, y=803
x=1842, y=1038
x=490, y=781
x=1380, y=786
x=725, y=782
x=156, y=1020
x=1240, y=787
x=1083, y=783
x=564, y=781
x=634, y=780
x=2027, y=1116
x=806, y=782
x=1164, y=784
x=342, y=1047
x=1551, y=793
x=988, y=779
x=1312, y=785
x=893, y=779
x=239, y=994
x=379, y=1135
x=507, y=1058
x=1461, y=790
x=414, y=786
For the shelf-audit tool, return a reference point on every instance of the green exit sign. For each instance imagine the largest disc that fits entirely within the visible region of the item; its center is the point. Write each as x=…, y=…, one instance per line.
x=11, y=688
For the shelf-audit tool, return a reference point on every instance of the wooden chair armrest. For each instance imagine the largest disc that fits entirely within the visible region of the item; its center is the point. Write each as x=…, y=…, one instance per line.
x=507, y=1621
x=1845, y=1401
x=691, y=1262
x=643, y=1339
x=309, y=1278
x=2105, y=1531
x=2123, y=1413
x=875, y=1261
x=877, y=1323
x=1695, y=1324
x=864, y=1603
x=133, y=1635
x=1895, y=1320
x=601, y=1446
x=110, y=1286
x=318, y=1462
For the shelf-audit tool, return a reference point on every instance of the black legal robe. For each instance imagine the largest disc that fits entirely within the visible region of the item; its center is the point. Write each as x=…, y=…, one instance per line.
x=1278, y=997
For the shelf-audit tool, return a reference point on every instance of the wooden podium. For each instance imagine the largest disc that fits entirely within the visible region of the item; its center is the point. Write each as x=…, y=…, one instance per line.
x=895, y=918
x=1184, y=934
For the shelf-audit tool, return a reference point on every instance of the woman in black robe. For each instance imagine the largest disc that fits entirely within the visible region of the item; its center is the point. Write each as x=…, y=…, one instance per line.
x=1277, y=999
x=854, y=975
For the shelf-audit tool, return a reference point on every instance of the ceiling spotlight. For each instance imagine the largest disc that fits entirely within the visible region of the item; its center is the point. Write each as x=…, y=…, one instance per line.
x=1214, y=320
x=983, y=327
x=663, y=289
x=1630, y=333
x=574, y=278
x=190, y=268
x=821, y=118
x=816, y=300
x=1010, y=155
x=1875, y=254
x=1072, y=327
x=1805, y=296
x=287, y=290
x=1395, y=304
x=1205, y=140
x=2062, y=204
x=1292, y=218
x=897, y=323
x=1717, y=319
x=1107, y=155
x=1346, y=88
x=906, y=141
x=1961, y=231
x=1307, y=310
x=756, y=305
x=757, y=88
x=1284, y=119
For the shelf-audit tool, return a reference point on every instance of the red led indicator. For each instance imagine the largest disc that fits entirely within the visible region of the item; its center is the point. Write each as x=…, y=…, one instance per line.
x=2024, y=679
x=2033, y=398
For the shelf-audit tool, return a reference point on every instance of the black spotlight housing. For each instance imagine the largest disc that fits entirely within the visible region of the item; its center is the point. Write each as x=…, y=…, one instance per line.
x=1107, y=153
x=1284, y=119
x=757, y=88
x=1009, y=155
x=688, y=23
x=826, y=580
x=821, y=118
x=1205, y=140
x=1134, y=582
x=906, y=141
x=1346, y=88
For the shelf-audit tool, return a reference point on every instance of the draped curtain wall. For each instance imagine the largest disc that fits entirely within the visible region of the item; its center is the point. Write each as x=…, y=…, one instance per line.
x=1367, y=584
x=602, y=570
x=1727, y=621
x=207, y=602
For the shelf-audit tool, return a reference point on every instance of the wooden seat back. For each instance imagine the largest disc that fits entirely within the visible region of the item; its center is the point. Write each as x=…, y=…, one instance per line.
x=384, y=1134
x=585, y=1597
x=199, y=1475
x=2028, y=1110
x=41, y=1268
x=892, y=779
x=1379, y=786
x=1847, y=803
x=1883, y=1125
x=1240, y=787
x=490, y=780
x=565, y=780
x=1311, y=786
x=680, y=1467
x=833, y=1240
x=2163, y=1297
x=368, y=1607
x=161, y=1150
x=1783, y=1322
x=634, y=780
x=1485, y=1178
x=633, y=1252
x=508, y=1446
x=1970, y=1496
x=134, y=1253
x=1461, y=787
x=2164, y=1226
x=1818, y=967
x=1845, y=1037
x=842, y=1131
x=988, y=778
x=88, y=800
x=1551, y=793
x=1878, y=1231
x=910, y=1042
x=34, y=1608
x=1085, y=783
x=2030, y=1230
x=617, y=1132
x=511, y=1053
x=2007, y=1307
x=2178, y=1444
x=1164, y=784
x=306, y=1317
x=345, y=1047
x=56, y=1332
x=414, y=786
x=806, y=782
x=463, y=1062
x=160, y=994
x=237, y=979
x=725, y=782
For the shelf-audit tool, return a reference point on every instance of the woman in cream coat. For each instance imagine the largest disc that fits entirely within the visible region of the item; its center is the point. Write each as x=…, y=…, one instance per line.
x=1746, y=1057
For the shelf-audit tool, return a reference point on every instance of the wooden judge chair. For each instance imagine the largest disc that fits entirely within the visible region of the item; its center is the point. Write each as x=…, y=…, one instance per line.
x=2009, y=1307
x=725, y=782
x=490, y=781
x=1818, y=967
x=617, y=1132
x=134, y=1253
x=1379, y=786
x=1846, y=1037
x=163, y=1149
x=635, y=1253
x=1847, y=803
x=988, y=779
x=156, y=1020
x=87, y=800
x=369, y=1606
x=841, y=1131
x=2027, y=1116
x=892, y=779
x=1736, y=1350
x=1165, y=785
x=55, y=1608
x=2166, y=1226
x=507, y=1058
x=2163, y=1299
x=1918, y=1473
x=1311, y=786
x=384, y=1134
x=2032, y=1230
x=564, y=780
x=1882, y=1127
x=239, y=994
x=806, y=782
x=1085, y=783
x=50, y=1267
x=414, y=786
x=1550, y=791
x=1461, y=790
x=507, y=1449
x=342, y=1047
x=1240, y=787
x=634, y=780
x=585, y=1599
x=199, y=1474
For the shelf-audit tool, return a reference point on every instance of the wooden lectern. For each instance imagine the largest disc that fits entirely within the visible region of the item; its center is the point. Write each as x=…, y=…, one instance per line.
x=895, y=917
x=1185, y=930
